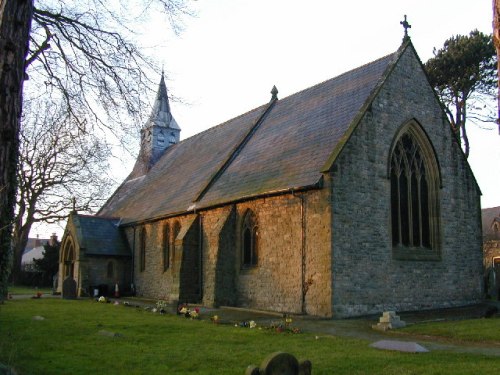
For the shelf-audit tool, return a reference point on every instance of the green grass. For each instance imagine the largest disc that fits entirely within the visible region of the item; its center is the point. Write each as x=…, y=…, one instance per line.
x=26, y=290
x=474, y=330
x=68, y=342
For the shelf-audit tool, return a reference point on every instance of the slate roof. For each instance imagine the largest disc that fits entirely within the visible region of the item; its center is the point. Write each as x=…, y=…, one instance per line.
x=489, y=215
x=279, y=146
x=99, y=235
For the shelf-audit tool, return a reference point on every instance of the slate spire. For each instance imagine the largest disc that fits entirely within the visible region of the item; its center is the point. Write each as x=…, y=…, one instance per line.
x=158, y=133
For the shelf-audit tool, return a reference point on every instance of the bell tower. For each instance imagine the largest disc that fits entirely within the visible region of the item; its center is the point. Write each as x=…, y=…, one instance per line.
x=158, y=133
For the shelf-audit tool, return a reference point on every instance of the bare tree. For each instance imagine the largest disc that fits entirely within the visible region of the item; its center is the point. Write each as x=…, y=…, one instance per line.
x=59, y=162
x=80, y=51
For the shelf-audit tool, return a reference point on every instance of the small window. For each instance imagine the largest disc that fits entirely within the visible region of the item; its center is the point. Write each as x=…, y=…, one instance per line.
x=166, y=247
x=249, y=235
x=142, y=250
x=161, y=138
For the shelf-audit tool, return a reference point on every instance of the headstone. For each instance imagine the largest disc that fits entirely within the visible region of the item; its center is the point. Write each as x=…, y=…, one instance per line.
x=69, y=288
x=389, y=320
x=281, y=364
x=108, y=333
x=402, y=346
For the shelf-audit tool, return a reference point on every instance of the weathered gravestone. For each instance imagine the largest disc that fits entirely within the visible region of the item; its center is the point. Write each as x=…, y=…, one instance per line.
x=281, y=364
x=389, y=320
x=69, y=288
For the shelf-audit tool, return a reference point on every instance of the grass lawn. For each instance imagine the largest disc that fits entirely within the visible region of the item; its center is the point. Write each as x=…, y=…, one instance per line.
x=26, y=290
x=68, y=342
x=476, y=330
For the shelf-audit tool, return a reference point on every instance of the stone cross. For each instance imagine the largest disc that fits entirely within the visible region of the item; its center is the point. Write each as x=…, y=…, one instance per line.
x=406, y=26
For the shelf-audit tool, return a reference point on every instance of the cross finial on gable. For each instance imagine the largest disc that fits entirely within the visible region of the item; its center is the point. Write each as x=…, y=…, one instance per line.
x=274, y=93
x=406, y=26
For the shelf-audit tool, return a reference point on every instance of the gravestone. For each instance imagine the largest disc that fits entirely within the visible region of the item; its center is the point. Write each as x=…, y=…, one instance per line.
x=281, y=364
x=401, y=346
x=389, y=320
x=69, y=288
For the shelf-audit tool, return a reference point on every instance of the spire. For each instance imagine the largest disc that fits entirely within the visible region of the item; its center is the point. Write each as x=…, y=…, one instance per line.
x=160, y=114
x=158, y=133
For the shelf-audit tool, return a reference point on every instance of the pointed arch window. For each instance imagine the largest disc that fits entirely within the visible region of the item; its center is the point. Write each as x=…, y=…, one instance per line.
x=249, y=239
x=166, y=247
x=142, y=250
x=176, y=228
x=414, y=180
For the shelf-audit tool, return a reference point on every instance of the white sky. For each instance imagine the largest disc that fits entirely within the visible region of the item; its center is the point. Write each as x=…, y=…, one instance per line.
x=229, y=56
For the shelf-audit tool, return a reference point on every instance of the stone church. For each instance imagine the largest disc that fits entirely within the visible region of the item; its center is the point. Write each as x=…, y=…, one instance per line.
x=350, y=197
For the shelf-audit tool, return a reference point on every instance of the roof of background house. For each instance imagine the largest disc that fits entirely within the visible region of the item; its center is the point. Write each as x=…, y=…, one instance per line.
x=33, y=253
x=488, y=215
x=34, y=242
x=279, y=146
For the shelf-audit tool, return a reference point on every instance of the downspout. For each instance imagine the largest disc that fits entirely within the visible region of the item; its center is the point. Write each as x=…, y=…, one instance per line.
x=132, y=280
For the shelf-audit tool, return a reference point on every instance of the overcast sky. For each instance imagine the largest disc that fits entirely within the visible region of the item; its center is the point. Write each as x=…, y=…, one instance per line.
x=229, y=56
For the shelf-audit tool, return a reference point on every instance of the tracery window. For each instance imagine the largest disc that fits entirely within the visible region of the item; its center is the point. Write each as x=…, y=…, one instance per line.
x=166, y=247
x=249, y=236
x=414, y=178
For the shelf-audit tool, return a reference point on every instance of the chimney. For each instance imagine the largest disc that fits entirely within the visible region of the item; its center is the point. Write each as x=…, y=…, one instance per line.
x=53, y=240
x=38, y=243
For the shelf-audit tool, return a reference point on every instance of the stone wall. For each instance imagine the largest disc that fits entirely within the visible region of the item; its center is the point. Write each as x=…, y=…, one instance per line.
x=97, y=274
x=367, y=279
x=294, y=246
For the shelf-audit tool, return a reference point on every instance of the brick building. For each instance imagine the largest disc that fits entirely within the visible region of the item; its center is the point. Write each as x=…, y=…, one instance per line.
x=347, y=198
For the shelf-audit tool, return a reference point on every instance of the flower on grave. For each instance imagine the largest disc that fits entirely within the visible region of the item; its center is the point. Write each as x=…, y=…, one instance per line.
x=183, y=310
x=215, y=319
x=154, y=310
x=194, y=314
x=160, y=304
x=252, y=324
x=102, y=299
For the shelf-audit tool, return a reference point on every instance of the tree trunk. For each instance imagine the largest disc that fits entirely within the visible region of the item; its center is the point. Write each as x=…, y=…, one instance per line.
x=15, y=24
x=22, y=226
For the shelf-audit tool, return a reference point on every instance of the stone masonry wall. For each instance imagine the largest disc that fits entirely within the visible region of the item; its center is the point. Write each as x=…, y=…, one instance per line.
x=276, y=283
x=366, y=277
x=154, y=281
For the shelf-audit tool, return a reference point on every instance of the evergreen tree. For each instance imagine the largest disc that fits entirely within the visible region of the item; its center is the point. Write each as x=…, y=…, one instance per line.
x=464, y=75
x=49, y=264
